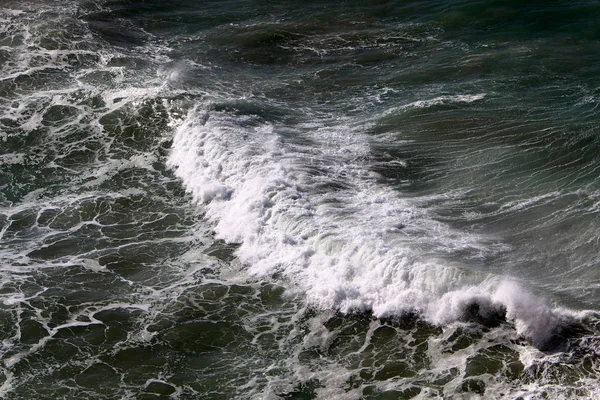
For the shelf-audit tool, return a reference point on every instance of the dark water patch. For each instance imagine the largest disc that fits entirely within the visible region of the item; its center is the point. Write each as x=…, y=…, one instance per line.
x=509, y=20
x=406, y=394
x=264, y=111
x=462, y=338
x=316, y=43
x=75, y=290
x=5, y=56
x=474, y=386
x=92, y=334
x=130, y=63
x=17, y=139
x=404, y=167
x=98, y=377
x=45, y=78
x=112, y=28
x=482, y=314
x=205, y=336
x=60, y=247
x=20, y=224
x=303, y=391
x=222, y=250
x=55, y=115
x=161, y=19
x=8, y=326
x=493, y=361
x=160, y=388
x=263, y=45
x=564, y=336
x=138, y=128
x=31, y=331
x=137, y=262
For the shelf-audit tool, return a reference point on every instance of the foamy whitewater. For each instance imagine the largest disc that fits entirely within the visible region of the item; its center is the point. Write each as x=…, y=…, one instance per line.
x=318, y=218
x=225, y=200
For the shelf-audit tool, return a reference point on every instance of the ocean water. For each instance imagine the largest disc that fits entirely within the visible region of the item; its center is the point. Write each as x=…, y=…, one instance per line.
x=299, y=200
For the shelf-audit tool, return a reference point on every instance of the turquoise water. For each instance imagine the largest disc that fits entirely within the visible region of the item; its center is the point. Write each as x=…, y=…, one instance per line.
x=299, y=200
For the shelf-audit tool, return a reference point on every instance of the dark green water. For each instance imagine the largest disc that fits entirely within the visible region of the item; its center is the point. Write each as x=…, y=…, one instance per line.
x=299, y=200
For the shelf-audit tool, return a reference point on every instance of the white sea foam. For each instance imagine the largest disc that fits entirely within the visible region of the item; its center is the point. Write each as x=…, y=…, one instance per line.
x=317, y=217
x=448, y=99
x=436, y=101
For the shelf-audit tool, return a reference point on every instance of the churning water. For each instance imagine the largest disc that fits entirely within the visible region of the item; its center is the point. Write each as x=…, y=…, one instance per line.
x=299, y=200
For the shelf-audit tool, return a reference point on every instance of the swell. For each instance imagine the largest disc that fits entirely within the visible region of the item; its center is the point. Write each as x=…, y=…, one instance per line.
x=316, y=217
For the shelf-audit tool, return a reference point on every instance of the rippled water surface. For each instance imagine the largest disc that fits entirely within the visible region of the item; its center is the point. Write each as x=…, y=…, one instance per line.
x=299, y=200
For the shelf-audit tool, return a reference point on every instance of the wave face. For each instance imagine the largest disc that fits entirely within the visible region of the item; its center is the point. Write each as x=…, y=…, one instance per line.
x=277, y=201
x=315, y=216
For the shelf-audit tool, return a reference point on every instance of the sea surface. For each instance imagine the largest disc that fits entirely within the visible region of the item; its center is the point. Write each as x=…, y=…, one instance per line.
x=257, y=199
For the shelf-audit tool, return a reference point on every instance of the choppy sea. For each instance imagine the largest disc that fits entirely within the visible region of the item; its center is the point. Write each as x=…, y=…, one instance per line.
x=256, y=199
